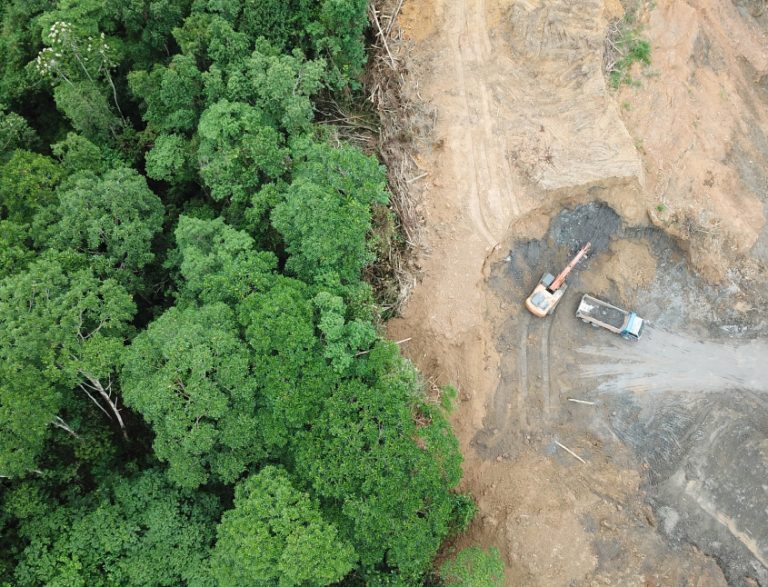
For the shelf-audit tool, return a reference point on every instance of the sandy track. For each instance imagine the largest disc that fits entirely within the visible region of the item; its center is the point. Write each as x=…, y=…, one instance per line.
x=524, y=119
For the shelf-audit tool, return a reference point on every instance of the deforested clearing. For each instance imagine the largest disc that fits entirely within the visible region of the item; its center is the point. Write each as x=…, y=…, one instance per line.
x=534, y=151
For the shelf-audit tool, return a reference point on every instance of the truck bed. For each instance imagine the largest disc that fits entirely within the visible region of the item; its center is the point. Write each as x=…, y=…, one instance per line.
x=602, y=312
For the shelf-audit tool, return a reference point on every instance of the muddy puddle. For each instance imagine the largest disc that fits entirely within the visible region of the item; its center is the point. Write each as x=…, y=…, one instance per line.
x=670, y=362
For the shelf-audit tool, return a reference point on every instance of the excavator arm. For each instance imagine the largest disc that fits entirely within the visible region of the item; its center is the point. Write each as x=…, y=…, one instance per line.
x=564, y=273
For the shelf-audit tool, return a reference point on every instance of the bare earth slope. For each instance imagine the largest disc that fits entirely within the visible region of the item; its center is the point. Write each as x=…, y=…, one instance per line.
x=525, y=127
x=700, y=118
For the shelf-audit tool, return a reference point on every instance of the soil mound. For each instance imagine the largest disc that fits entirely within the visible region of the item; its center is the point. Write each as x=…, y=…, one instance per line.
x=629, y=265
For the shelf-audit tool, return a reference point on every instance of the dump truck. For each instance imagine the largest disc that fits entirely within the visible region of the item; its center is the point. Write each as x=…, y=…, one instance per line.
x=549, y=291
x=599, y=313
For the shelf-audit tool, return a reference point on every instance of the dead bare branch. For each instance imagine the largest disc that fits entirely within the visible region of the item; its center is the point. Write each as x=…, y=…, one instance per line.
x=393, y=18
x=375, y=18
x=94, y=400
x=404, y=121
x=106, y=394
x=60, y=423
x=570, y=452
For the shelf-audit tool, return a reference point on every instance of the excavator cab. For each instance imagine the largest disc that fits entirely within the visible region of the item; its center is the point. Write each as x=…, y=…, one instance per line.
x=549, y=291
x=542, y=301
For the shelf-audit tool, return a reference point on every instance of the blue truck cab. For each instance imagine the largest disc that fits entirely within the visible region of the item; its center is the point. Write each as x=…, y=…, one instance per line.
x=634, y=327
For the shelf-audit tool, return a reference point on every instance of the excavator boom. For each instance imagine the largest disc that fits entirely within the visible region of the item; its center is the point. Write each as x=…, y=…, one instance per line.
x=564, y=273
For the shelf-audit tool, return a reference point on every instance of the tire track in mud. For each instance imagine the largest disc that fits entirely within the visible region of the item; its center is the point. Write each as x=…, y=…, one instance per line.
x=476, y=211
x=673, y=362
x=697, y=492
x=552, y=405
x=539, y=386
x=524, y=403
x=522, y=394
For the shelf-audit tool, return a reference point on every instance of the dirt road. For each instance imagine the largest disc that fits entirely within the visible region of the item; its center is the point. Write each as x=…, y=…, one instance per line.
x=531, y=155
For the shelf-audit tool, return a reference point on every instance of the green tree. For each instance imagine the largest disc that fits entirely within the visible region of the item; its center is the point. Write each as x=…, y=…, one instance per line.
x=283, y=24
x=113, y=218
x=19, y=44
x=15, y=249
x=28, y=405
x=276, y=535
x=293, y=377
x=170, y=159
x=331, y=29
x=87, y=107
x=342, y=338
x=210, y=39
x=336, y=34
x=276, y=313
x=77, y=154
x=60, y=327
x=55, y=314
x=267, y=378
x=474, y=567
x=86, y=18
x=139, y=530
x=171, y=95
x=72, y=55
x=238, y=151
x=147, y=26
x=279, y=86
x=27, y=184
x=80, y=67
x=387, y=479
x=188, y=374
x=15, y=132
x=326, y=215
x=219, y=263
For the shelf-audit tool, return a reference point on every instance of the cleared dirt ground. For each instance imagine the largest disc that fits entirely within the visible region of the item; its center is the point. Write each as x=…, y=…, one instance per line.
x=531, y=155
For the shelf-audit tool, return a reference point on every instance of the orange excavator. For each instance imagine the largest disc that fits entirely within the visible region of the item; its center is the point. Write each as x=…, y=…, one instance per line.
x=549, y=291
